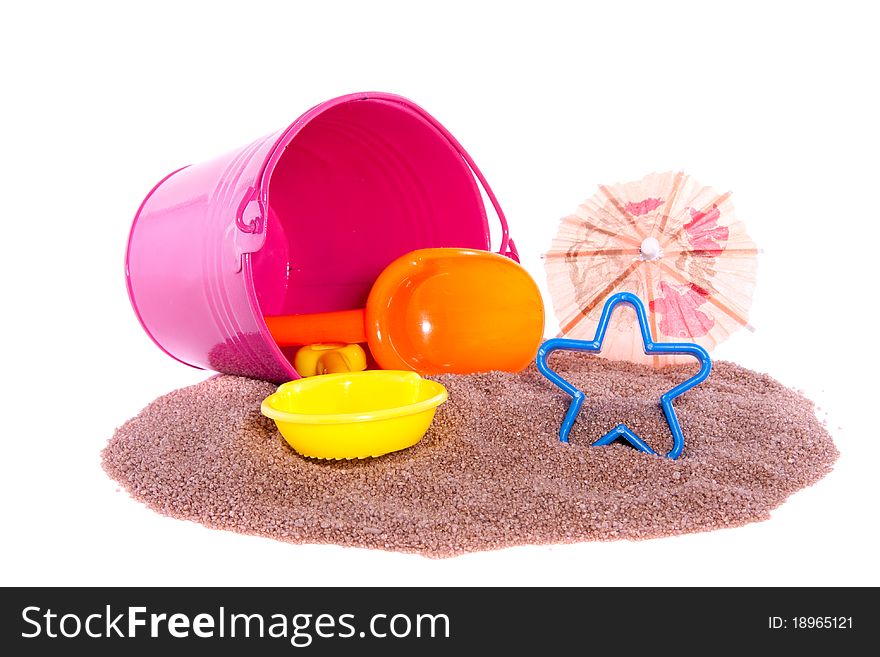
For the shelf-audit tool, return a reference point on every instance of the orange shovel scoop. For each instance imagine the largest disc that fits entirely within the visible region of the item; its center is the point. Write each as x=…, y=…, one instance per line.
x=436, y=311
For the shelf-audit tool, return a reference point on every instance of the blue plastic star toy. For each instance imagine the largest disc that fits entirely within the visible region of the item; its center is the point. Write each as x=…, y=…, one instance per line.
x=651, y=348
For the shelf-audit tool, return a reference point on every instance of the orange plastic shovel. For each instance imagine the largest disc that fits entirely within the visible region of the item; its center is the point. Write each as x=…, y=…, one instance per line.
x=436, y=311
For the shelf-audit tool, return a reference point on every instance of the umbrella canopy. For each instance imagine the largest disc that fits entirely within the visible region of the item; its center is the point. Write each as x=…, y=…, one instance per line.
x=666, y=238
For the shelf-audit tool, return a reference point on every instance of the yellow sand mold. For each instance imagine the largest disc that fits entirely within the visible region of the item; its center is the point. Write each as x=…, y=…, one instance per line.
x=354, y=414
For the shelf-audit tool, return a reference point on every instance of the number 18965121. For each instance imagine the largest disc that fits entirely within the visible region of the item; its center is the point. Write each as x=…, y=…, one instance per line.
x=810, y=623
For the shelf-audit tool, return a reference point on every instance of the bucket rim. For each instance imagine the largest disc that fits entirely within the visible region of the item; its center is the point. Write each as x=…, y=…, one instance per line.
x=287, y=135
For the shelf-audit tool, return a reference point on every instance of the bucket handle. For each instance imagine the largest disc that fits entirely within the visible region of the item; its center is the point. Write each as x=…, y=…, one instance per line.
x=507, y=247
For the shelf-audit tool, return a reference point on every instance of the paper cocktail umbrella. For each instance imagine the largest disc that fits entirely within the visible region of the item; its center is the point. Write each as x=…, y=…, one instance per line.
x=674, y=243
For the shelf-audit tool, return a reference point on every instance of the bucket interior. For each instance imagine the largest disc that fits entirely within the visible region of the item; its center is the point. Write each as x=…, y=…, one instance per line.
x=361, y=184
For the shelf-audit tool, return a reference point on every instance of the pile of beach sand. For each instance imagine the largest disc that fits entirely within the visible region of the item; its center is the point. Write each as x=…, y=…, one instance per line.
x=491, y=471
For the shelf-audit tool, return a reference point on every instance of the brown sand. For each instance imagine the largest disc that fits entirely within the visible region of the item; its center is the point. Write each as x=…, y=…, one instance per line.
x=491, y=471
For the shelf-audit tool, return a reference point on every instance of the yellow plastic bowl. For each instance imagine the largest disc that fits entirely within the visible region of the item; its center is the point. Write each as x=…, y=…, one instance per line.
x=353, y=415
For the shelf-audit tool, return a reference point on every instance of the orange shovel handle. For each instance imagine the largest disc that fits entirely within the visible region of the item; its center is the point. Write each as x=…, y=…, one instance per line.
x=339, y=326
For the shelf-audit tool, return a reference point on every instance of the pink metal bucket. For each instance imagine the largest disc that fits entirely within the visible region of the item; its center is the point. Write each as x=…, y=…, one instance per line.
x=300, y=221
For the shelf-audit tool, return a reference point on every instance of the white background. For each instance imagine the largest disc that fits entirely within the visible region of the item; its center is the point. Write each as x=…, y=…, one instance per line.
x=776, y=101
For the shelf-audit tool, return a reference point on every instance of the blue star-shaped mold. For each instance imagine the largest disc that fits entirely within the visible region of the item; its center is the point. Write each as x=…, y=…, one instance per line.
x=651, y=347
